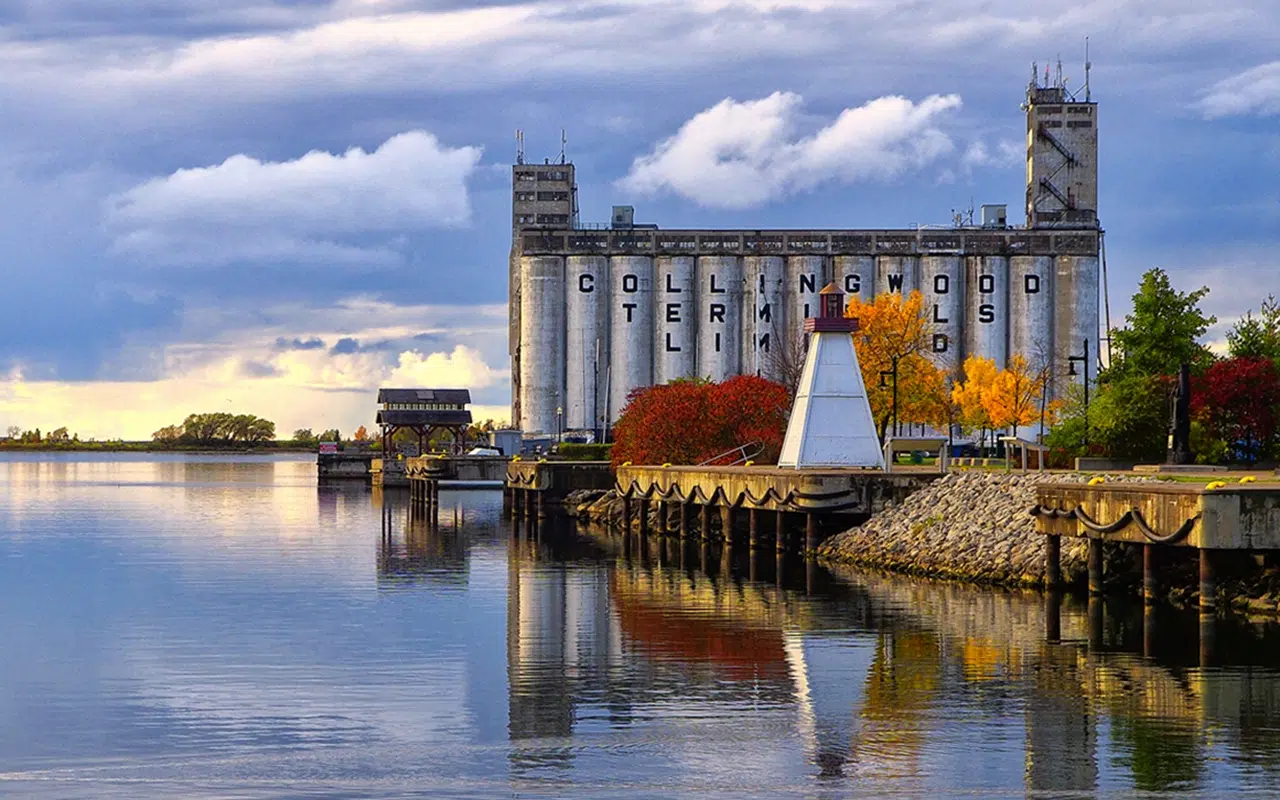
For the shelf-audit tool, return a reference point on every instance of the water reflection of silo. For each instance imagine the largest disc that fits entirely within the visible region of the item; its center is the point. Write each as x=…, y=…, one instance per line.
x=561, y=635
x=1061, y=739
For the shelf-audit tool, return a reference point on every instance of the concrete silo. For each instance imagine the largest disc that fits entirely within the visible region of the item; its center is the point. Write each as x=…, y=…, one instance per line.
x=586, y=340
x=942, y=288
x=987, y=308
x=764, y=327
x=542, y=356
x=675, y=344
x=719, y=314
x=631, y=328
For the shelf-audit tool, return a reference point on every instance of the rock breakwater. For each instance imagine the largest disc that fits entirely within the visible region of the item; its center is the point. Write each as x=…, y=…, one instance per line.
x=971, y=526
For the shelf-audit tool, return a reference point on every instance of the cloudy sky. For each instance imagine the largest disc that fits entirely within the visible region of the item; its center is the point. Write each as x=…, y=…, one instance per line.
x=276, y=207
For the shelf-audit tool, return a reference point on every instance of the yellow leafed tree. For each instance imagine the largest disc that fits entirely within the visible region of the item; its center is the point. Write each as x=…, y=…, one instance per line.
x=1013, y=398
x=970, y=395
x=893, y=330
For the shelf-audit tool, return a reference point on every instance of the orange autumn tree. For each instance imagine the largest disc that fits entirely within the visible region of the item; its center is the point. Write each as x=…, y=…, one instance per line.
x=895, y=329
x=969, y=395
x=1013, y=397
x=689, y=421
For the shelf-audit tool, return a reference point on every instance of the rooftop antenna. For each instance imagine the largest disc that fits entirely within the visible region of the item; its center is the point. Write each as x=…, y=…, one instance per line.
x=1061, y=84
x=1088, y=65
x=1035, y=75
x=519, y=146
x=563, y=142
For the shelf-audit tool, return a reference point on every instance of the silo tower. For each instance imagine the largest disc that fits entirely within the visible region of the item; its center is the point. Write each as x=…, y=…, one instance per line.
x=1062, y=154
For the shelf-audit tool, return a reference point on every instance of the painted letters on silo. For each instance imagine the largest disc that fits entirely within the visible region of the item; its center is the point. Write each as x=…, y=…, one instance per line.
x=1031, y=300
x=1076, y=320
x=764, y=326
x=675, y=345
x=631, y=328
x=806, y=275
x=719, y=316
x=541, y=342
x=586, y=340
x=987, y=309
x=856, y=276
x=942, y=288
x=899, y=274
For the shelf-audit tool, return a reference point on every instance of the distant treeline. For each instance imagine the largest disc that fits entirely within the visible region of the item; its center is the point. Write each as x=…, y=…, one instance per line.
x=218, y=429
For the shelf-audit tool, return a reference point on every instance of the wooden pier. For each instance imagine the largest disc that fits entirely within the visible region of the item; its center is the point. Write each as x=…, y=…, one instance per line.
x=535, y=488
x=782, y=502
x=1233, y=517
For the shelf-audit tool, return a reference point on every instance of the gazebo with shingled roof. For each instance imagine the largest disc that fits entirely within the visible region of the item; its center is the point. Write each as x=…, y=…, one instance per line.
x=424, y=411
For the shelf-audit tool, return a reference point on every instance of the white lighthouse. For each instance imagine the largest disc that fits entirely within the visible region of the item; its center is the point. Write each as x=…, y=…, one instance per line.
x=831, y=423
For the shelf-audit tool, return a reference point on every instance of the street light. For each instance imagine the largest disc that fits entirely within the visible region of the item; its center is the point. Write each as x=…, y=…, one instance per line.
x=1071, y=371
x=559, y=425
x=893, y=375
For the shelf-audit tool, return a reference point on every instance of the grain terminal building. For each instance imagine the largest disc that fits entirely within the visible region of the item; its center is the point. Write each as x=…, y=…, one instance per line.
x=598, y=311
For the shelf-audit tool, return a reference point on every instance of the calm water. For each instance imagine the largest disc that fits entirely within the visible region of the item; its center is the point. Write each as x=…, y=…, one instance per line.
x=216, y=627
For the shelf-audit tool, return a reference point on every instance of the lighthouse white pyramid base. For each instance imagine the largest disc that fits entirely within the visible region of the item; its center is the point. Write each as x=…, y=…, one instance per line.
x=831, y=423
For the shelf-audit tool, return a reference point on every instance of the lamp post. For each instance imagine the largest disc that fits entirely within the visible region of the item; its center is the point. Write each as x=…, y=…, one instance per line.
x=559, y=425
x=1071, y=371
x=892, y=374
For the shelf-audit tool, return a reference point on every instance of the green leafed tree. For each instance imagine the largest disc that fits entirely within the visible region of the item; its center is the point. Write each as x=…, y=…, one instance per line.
x=331, y=435
x=170, y=434
x=1162, y=332
x=1128, y=418
x=304, y=435
x=1257, y=336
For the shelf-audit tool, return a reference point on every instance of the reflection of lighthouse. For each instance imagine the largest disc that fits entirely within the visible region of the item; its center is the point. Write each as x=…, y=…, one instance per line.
x=830, y=678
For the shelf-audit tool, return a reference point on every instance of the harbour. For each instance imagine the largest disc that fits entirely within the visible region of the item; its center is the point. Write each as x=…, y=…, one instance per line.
x=547, y=659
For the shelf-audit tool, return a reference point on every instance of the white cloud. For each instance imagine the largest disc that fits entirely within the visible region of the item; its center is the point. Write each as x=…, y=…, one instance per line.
x=246, y=209
x=1254, y=91
x=742, y=154
x=464, y=368
x=1007, y=154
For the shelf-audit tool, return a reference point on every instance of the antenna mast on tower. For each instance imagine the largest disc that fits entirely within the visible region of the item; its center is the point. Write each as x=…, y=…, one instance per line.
x=519, y=146
x=563, y=141
x=1088, y=65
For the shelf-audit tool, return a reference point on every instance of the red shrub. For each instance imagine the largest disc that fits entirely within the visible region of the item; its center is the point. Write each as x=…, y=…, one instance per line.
x=689, y=421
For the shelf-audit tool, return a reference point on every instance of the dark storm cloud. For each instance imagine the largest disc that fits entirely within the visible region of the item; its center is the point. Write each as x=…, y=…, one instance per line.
x=298, y=344
x=258, y=369
x=347, y=346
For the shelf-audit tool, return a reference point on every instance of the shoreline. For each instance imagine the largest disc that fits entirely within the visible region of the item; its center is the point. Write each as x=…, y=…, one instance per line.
x=973, y=528
x=127, y=448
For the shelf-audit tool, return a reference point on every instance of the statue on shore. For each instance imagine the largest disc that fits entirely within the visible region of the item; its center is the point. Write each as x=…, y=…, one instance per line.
x=1180, y=423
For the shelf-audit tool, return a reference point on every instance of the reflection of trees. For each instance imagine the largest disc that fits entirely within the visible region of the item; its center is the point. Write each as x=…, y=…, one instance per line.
x=901, y=687
x=1162, y=754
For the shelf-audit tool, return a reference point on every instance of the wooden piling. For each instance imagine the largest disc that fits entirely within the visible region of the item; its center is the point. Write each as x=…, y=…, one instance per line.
x=1052, y=561
x=753, y=528
x=780, y=537
x=684, y=520
x=1150, y=587
x=810, y=533
x=626, y=513
x=663, y=527
x=726, y=523
x=1208, y=581
x=644, y=518
x=706, y=522
x=1095, y=565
